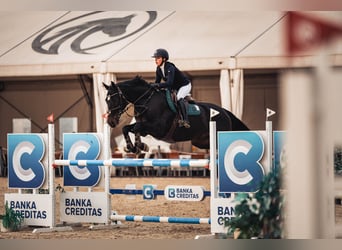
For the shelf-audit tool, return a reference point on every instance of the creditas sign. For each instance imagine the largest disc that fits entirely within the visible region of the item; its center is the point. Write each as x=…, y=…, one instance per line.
x=242, y=164
x=28, y=169
x=83, y=207
x=37, y=210
x=184, y=193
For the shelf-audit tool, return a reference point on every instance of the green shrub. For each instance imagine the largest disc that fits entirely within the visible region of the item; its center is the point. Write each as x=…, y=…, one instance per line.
x=259, y=214
x=11, y=219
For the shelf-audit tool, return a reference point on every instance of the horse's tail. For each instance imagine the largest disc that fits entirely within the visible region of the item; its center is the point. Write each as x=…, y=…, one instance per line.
x=237, y=124
x=226, y=120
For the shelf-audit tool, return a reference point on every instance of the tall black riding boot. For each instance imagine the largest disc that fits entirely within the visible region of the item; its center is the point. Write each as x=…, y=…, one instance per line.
x=184, y=122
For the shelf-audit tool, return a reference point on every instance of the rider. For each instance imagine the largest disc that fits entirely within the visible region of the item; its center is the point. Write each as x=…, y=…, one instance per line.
x=173, y=79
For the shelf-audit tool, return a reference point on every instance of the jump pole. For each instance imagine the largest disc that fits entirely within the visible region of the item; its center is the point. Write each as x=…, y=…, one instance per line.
x=141, y=191
x=160, y=219
x=128, y=162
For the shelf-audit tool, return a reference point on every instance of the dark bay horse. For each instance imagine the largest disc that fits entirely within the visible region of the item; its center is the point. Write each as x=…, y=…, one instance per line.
x=155, y=117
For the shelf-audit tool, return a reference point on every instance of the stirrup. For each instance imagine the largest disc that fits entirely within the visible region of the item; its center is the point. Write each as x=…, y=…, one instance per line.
x=186, y=124
x=183, y=123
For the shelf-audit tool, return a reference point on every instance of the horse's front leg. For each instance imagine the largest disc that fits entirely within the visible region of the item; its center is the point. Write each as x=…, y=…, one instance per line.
x=138, y=143
x=129, y=145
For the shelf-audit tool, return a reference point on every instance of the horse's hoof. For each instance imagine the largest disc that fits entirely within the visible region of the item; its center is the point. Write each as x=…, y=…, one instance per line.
x=129, y=148
x=143, y=147
x=136, y=150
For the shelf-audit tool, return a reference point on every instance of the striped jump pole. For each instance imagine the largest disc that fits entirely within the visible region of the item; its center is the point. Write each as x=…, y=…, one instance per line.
x=128, y=162
x=140, y=191
x=160, y=219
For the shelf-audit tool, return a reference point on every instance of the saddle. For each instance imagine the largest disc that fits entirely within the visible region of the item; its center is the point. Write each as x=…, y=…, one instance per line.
x=171, y=97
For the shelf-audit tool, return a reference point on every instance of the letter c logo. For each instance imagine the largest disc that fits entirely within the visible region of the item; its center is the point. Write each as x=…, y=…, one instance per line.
x=238, y=177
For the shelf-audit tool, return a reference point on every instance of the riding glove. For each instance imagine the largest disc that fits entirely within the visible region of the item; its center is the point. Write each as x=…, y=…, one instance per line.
x=155, y=85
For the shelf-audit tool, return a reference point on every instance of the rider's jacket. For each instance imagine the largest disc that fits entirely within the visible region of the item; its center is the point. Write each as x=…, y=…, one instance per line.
x=173, y=78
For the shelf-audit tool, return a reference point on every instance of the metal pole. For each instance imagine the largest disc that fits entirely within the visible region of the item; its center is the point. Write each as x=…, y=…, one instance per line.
x=269, y=144
x=107, y=155
x=51, y=160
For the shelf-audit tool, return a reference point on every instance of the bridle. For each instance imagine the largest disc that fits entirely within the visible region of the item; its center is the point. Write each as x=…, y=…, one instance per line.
x=118, y=107
x=123, y=108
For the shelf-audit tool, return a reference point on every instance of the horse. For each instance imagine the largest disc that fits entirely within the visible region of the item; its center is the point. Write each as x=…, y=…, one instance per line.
x=156, y=116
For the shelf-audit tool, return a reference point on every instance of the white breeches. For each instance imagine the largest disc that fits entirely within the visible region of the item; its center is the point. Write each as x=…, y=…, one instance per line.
x=184, y=91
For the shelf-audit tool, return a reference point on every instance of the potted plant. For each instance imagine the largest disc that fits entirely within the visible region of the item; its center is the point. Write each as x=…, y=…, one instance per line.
x=11, y=220
x=259, y=215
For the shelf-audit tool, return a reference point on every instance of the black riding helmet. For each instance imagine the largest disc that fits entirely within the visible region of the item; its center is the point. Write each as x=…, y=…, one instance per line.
x=161, y=53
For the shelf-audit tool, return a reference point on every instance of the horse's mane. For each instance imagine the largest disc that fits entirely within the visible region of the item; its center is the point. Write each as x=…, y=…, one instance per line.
x=136, y=81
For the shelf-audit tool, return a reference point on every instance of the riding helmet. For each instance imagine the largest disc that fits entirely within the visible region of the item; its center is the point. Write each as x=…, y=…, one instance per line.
x=161, y=53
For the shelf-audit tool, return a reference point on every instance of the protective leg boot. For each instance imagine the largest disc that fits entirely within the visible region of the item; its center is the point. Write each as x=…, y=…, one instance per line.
x=184, y=122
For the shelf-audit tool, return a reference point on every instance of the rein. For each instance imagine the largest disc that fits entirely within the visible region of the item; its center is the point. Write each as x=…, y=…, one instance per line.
x=144, y=106
x=124, y=109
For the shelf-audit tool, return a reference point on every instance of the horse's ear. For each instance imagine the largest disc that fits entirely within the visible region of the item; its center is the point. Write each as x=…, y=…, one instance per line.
x=105, y=85
x=113, y=83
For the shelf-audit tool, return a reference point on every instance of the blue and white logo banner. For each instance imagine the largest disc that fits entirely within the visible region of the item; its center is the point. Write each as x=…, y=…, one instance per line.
x=242, y=160
x=82, y=146
x=27, y=161
x=148, y=193
x=279, y=147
